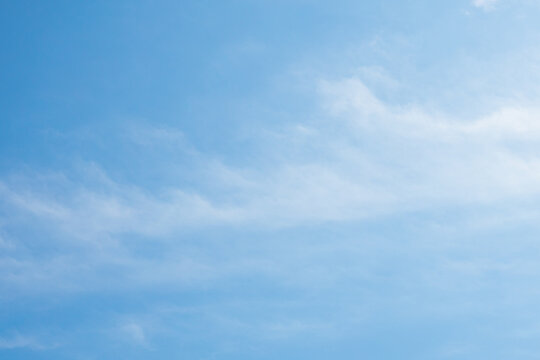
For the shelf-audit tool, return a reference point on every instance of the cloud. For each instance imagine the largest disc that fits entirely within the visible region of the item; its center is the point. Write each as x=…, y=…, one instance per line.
x=367, y=159
x=440, y=159
x=19, y=341
x=484, y=4
x=134, y=332
x=363, y=159
x=85, y=212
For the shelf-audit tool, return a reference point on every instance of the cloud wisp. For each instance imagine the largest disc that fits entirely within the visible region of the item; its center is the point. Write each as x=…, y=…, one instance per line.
x=19, y=341
x=485, y=4
x=365, y=160
x=361, y=161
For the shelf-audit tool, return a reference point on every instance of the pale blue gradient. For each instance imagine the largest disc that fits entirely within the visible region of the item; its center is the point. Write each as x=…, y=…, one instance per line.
x=258, y=179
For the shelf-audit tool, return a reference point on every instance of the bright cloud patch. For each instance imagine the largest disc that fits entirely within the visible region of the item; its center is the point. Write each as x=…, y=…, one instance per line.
x=366, y=161
x=485, y=4
x=372, y=159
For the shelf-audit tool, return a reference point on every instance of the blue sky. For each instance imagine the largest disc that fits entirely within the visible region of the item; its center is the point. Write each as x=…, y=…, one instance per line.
x=256, y=179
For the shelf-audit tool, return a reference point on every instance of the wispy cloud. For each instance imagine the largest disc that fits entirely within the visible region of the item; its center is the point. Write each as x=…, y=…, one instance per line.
x=20, y=341
x=133, y=332
x=368, y=186
x=485, y=4
x=367, y=159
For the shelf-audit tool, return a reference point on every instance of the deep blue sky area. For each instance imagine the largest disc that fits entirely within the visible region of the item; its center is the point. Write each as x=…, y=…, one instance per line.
x=256, y=179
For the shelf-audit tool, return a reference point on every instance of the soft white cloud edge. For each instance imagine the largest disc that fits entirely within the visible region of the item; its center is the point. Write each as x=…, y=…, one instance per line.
x=484, y=4
x=18, y=341
x=367, y=159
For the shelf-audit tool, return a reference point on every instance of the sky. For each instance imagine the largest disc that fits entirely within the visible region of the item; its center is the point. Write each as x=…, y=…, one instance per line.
x=256, y=179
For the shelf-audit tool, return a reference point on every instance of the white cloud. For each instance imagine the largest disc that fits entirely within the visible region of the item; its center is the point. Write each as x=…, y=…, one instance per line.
x=19, y=341
x=368, y=158
x=365, y=159
x=134, y=332
x=485, y=4
x=350, y=94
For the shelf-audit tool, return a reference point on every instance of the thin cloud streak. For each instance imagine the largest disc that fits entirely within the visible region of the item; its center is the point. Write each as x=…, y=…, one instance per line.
x=367, y=160
x=371, y=159
x=485, y=4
